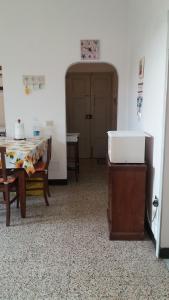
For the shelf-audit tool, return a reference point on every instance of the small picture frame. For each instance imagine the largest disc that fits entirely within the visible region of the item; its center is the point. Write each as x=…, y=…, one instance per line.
x=33, y=82
x=141, y=67
x=90, y=49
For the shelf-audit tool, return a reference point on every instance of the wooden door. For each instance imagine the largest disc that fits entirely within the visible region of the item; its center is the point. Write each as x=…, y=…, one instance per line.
x=78, y=109
x=91, y=95
x=101, y=107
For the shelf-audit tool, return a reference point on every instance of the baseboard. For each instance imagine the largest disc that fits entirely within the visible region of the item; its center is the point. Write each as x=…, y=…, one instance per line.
x=58, y=181
x=164, y=253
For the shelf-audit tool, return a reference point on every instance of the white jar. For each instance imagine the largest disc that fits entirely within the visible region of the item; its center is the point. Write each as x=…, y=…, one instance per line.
x=19, y=130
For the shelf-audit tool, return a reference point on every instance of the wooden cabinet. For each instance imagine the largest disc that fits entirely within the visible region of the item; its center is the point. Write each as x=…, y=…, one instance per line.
x=126, y=203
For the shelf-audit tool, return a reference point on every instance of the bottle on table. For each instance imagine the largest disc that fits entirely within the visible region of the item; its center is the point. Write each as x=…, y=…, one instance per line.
x=36, y=128
x=19, y=130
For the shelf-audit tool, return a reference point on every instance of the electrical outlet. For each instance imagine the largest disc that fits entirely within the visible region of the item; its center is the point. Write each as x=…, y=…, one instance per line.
x=156, y=202
x=49, y=123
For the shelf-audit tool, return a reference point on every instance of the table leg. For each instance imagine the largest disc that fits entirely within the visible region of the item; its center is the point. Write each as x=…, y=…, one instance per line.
x=22, y=192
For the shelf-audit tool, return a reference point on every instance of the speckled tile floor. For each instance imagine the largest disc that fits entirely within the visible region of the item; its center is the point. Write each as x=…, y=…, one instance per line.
x=63, y=251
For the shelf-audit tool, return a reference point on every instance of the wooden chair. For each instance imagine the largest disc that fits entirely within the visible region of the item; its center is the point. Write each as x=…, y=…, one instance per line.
x=8, y=184
x=2, y=131
x=41, y=175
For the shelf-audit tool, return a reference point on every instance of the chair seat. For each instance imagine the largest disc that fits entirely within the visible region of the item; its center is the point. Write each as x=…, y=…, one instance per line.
x=10, y=179
x=40, y=166
x=41, y=175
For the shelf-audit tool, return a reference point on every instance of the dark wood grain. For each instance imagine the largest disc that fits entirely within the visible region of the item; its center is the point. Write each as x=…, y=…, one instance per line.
x=126, y=205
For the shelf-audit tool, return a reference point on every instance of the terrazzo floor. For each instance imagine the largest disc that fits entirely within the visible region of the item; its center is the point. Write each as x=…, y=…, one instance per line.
x=63, y=251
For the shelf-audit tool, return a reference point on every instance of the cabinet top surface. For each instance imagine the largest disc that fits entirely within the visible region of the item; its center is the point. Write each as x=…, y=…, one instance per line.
x=134, y=165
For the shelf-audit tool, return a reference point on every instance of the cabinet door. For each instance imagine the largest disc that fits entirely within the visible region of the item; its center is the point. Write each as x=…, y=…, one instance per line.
x=110, y=194
x=128, y=202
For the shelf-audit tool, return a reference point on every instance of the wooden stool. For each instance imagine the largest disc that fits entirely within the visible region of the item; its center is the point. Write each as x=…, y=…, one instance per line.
x=73, y=153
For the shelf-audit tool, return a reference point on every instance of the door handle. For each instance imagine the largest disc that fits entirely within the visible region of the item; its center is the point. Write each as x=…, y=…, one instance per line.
x=88, y=117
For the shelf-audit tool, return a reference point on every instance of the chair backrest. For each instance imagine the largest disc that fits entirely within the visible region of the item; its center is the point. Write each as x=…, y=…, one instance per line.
x=3, y=163
x=2, y=133
x=49, y=150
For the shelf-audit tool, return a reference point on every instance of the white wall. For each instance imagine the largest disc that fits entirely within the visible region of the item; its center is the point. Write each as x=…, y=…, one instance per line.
x=43, y=37
x=148, y=33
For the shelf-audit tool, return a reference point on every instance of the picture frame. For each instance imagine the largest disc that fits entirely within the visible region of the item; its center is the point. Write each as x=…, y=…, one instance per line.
x=1, y=83
x=33, y=82
x=141, y=67
x=90, y=49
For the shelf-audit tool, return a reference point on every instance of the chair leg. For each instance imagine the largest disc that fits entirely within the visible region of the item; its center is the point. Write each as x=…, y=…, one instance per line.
x=46, y=198
x=47, y=183
x=45, y=189
x=17, y=193
x=48, y=191
x=17, y=203
x=7, y=201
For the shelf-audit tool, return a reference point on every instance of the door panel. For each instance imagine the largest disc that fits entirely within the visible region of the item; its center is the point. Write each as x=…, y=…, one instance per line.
x=78, y=108
x=102, y=114
x=90, y=94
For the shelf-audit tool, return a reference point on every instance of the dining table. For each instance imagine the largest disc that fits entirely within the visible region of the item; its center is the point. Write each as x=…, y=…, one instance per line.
x=22, y=155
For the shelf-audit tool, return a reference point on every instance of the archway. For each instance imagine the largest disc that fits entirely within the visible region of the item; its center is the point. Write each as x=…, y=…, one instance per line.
x=91, y=105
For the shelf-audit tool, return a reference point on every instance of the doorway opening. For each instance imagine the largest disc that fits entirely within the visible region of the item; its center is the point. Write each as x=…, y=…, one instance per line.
x=91, y=106
x=91, y=111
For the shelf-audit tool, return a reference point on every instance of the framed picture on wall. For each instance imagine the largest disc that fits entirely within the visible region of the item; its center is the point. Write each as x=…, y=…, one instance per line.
x=141, y=67
x=1, y=85
x=89, y=49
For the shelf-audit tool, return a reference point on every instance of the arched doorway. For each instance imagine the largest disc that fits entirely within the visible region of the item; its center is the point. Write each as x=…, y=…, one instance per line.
x=91, y=105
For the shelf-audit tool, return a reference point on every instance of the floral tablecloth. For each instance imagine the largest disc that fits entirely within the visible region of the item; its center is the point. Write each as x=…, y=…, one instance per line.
x=23, y=154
